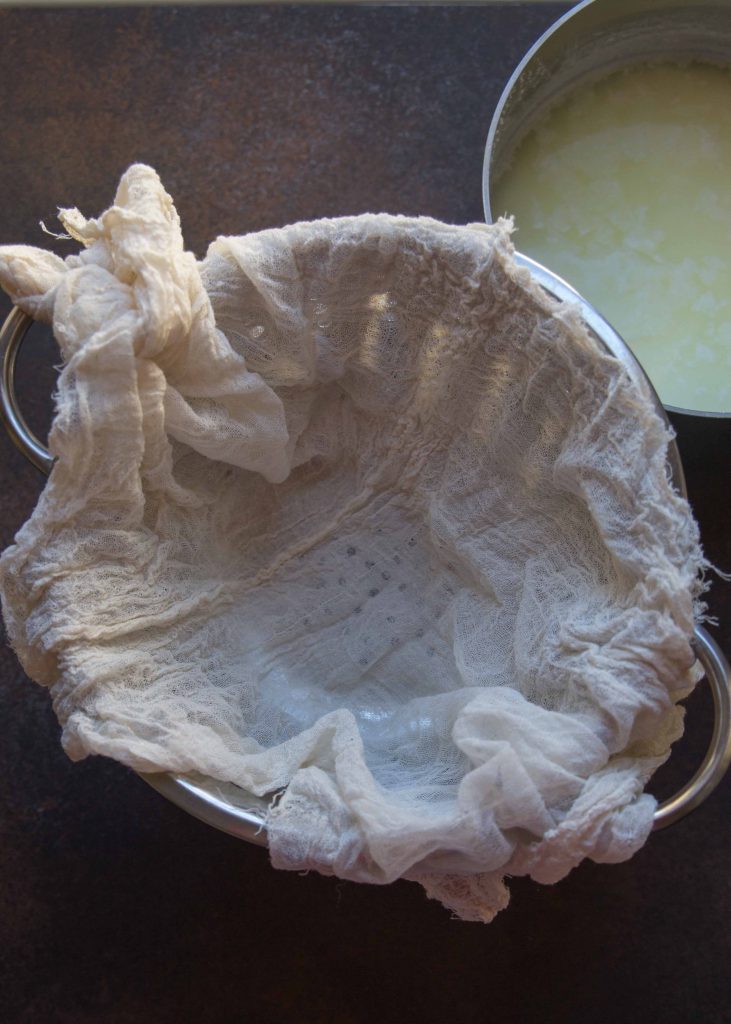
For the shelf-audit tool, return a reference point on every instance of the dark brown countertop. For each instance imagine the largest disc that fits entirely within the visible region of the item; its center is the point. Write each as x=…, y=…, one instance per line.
x=115, y=907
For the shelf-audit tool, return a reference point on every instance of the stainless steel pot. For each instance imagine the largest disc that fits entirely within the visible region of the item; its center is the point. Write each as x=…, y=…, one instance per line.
x=589, y=42
x=241, y=814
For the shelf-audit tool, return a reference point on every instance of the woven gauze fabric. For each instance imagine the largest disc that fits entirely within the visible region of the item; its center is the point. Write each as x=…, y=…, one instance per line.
x=353, y=513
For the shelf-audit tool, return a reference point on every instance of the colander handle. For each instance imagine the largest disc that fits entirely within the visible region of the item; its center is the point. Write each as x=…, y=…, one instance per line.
x=718, y=756
x=715, y=666
x=12, y=333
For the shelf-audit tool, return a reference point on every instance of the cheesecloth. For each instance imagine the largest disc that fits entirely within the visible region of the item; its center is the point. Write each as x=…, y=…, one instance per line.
x=352, y=513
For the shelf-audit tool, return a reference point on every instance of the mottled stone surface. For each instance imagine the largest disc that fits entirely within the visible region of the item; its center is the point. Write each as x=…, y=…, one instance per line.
x=115, y=907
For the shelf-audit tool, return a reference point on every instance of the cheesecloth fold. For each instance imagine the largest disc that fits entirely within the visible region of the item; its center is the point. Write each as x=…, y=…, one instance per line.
x=352, y=513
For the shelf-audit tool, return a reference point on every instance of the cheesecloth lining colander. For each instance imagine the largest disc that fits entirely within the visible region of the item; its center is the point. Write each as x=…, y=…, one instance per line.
x=351, y=512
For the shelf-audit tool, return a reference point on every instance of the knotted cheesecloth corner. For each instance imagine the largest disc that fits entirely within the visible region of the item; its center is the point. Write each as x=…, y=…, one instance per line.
x=351, y=512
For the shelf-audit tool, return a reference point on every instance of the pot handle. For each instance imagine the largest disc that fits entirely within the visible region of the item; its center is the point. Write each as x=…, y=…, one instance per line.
x=715, y=666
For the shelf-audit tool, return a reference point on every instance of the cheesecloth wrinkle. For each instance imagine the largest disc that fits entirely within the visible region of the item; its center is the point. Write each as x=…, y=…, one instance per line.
x=352, y=513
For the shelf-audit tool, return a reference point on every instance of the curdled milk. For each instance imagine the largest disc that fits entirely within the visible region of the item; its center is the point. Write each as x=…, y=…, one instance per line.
x=625, y=190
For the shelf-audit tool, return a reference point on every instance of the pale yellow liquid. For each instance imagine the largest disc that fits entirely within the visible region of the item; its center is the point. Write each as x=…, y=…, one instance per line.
x=625, y=191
